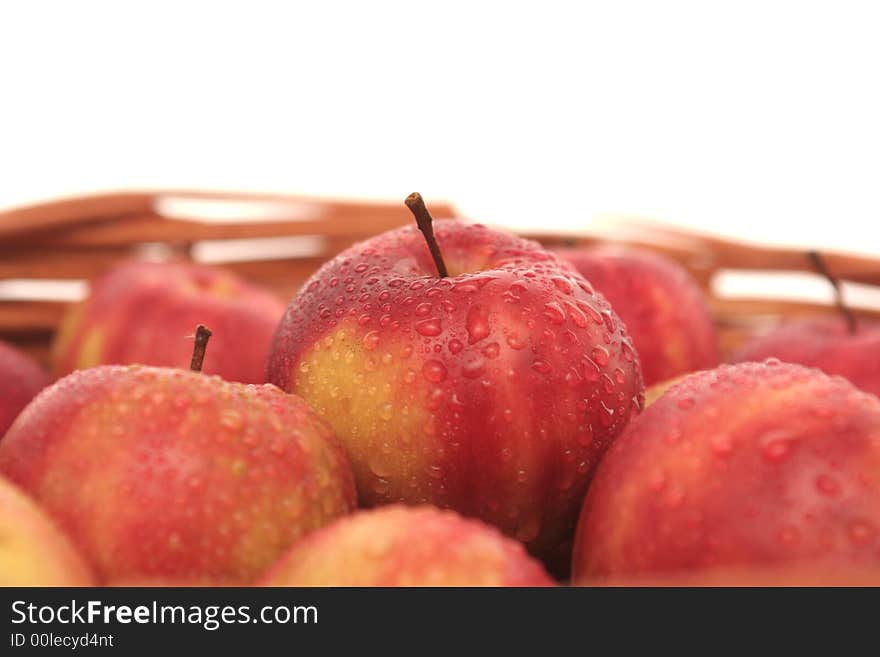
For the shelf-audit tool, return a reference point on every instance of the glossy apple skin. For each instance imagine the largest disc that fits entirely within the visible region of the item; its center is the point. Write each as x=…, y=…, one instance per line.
x=825, y=343
x=749, y=465
x=146, y=312
x=20, y=380
x=159, y=473
x=662, y=307
x=407, y=546
x=33, y=552
x=493, y=393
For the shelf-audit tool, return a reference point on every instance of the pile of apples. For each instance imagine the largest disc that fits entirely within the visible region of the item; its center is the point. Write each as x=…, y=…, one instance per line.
x=443, y=404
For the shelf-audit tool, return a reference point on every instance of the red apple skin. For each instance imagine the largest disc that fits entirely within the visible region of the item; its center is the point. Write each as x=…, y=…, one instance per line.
x=662, y=307
x=406, y=546
x=20, y=380
x=145, y=312
x=33, y=552
x=160, y=473
x=825, y=343
x=492, y=393
x=755, y=464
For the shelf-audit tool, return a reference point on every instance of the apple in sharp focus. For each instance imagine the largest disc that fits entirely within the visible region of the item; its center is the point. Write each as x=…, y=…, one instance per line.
x=492, y=390
x=663, y=308
x=143, y=312
x=755, y=464
x=168, y=474
x=406, y=546
x=33, y=552
x=20, y=380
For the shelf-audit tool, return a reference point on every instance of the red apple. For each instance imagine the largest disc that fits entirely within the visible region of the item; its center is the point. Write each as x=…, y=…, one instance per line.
x=828, y=343
x=32, y=550
x=749, y=465
x=20, y=380
x=493, y=390
x=406, y=546
x=663, y=308
x=161, y=473
x=143, y=312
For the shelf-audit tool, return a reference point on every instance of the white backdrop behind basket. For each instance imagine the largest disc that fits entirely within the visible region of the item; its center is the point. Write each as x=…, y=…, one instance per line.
x=758, y=120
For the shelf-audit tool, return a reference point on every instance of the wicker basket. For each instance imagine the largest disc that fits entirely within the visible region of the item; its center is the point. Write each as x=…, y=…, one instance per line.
x=278, y=241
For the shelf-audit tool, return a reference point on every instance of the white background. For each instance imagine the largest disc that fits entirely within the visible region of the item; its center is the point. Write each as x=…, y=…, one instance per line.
x=757, y=119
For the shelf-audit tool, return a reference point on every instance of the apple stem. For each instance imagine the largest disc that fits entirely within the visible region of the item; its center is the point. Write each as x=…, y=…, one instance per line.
x=425, y=221
x=821, y=267
x=201, y=343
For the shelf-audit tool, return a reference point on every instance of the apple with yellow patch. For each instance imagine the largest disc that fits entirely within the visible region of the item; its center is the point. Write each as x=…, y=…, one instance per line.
x=475, y=372
x=171, y=475
x=33, y=552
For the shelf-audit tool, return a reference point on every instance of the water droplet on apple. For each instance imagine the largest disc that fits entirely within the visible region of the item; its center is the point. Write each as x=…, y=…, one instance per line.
x=542, y=366
x=492, y=350
x=473, y=369
x=562, y=284
x=477, y=324
x=606, y=415
x=429, y=327
x=600, y=355
x=554, y=312
x=589, y=370
x=371, y=339
x=607, y=383
x=827, y=485
x=434, y=371
x=423, y=309
x=455, y=346
x=576, y=314
x=776, y=451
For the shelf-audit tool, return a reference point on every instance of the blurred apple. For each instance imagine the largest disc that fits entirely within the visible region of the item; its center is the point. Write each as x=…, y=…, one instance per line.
x=166, y=474
x=406, y=546
x=493, y=390
x=756, y=464
x=840, y=345
x=143, y=312
x=33, y=552
x=662, y=307
x=20, y=380
x=828, y=343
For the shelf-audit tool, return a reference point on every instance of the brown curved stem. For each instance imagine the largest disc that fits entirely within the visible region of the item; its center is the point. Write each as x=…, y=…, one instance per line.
x=821, y=267
x=425, y=222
